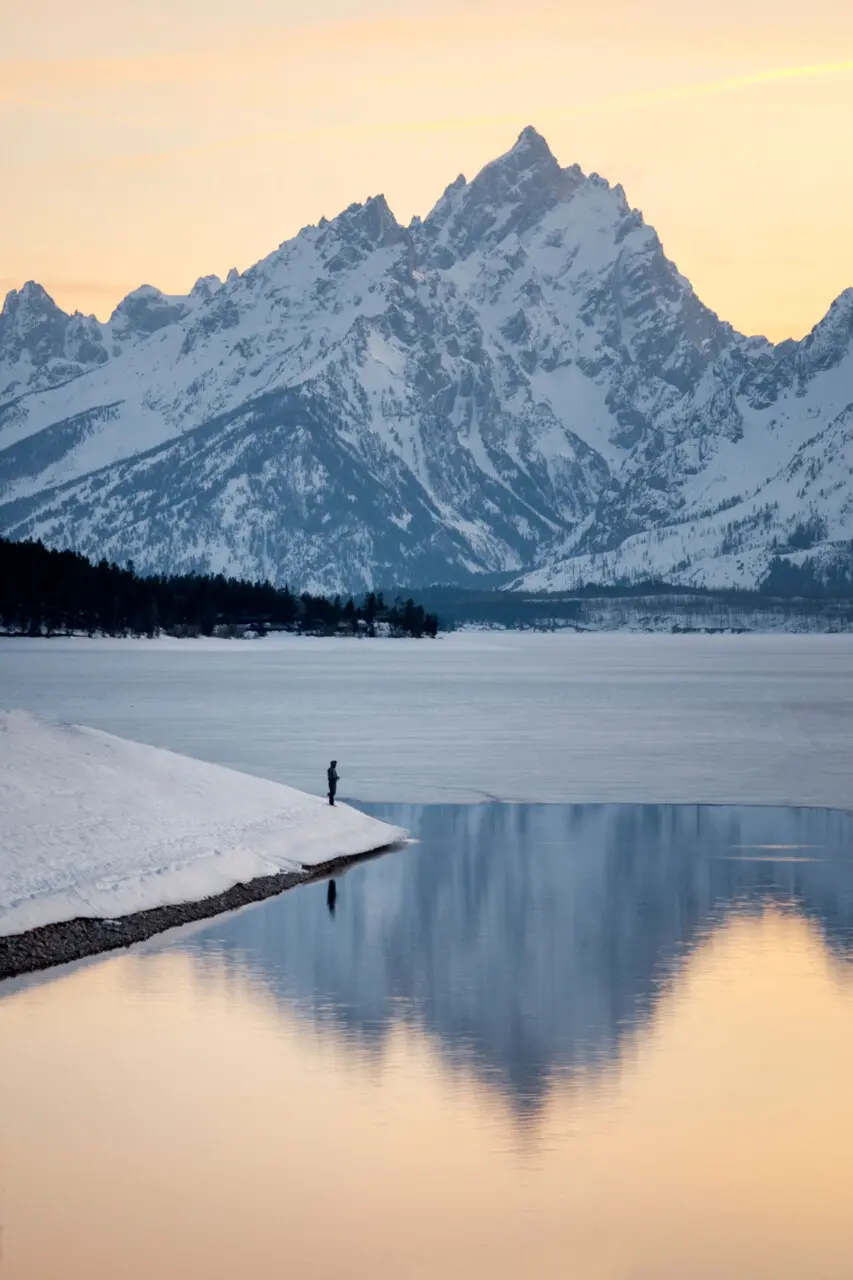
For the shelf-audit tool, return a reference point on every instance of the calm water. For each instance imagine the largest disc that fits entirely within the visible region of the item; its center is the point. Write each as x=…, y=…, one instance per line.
x=557, y=1041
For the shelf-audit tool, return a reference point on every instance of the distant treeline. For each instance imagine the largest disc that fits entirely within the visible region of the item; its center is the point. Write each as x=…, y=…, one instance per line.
x=808, y=582
x=46, y=592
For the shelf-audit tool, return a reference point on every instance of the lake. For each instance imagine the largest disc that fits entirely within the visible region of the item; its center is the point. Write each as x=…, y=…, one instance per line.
x=605, y=1042
x=512, y=716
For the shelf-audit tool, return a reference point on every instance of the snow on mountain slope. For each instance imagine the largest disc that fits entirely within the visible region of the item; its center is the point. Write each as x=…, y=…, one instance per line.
x=729, y=499
x=520, y=382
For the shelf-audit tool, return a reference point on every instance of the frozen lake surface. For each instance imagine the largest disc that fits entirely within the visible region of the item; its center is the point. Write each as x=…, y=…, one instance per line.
x=716, y=719
x=560, y=1041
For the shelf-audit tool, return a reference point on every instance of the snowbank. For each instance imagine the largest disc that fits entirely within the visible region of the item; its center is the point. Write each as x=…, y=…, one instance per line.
x=93, y=825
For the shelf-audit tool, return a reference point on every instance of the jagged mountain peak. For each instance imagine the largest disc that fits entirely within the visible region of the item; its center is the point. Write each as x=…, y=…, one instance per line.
x=510, y=194
x=41, y=345
x=144, y=311
x=143, y=294
x=531, y=146
x=369, y=225
x=32, y=299
x=521, y=381
x=205, y=287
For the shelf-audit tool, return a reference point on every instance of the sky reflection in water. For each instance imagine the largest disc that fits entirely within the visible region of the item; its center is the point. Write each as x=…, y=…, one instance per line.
x=597, y=1041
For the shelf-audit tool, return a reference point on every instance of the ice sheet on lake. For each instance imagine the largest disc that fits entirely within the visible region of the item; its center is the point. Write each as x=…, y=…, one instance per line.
x=92, y=825
x=742, y=719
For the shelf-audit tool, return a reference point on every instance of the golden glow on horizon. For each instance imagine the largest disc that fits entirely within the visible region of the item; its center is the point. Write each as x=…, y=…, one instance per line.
x=150, y=152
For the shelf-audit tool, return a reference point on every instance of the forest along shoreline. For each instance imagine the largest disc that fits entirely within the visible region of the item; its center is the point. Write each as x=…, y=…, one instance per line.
x=47, y=593
x=57, y=944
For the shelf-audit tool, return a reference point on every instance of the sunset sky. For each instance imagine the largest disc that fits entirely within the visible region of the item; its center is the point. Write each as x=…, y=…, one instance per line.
x=158, y=140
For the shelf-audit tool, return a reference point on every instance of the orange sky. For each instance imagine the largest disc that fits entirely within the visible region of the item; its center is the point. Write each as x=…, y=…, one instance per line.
x=159, y=140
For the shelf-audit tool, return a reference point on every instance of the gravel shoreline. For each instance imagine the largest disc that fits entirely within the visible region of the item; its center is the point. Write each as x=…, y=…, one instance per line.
x=55, y=944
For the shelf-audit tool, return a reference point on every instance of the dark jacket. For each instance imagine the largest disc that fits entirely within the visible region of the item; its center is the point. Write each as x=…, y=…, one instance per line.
x=332, y=775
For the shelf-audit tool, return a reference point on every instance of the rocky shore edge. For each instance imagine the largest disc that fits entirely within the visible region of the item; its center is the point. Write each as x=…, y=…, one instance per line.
x=56, y=944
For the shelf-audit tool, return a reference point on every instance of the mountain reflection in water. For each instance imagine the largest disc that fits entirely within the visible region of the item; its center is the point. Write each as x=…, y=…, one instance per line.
x=530, y=941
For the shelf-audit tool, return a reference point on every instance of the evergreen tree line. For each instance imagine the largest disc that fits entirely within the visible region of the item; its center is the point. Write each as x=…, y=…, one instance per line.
x=808, y=581
x=45, y=592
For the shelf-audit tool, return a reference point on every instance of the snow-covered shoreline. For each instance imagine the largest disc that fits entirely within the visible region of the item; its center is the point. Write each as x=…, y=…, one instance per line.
x=93, y=826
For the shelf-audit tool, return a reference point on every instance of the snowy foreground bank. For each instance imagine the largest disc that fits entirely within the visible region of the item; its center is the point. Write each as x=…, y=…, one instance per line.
x=95, y=826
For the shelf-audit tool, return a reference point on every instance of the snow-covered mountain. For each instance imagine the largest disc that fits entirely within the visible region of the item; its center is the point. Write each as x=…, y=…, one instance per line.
x=521, y=383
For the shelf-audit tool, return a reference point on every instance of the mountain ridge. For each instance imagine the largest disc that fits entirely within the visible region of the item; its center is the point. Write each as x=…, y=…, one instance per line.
x=521, y=382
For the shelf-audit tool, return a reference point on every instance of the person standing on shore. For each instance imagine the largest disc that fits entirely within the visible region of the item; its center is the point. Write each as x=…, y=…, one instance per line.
x=332, y=775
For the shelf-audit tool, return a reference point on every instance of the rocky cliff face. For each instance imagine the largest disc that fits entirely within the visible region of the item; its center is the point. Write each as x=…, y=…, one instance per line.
x=41, y=346
x=520, y=383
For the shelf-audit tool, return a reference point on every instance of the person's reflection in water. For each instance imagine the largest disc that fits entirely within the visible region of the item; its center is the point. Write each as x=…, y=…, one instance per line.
x=331, y=897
